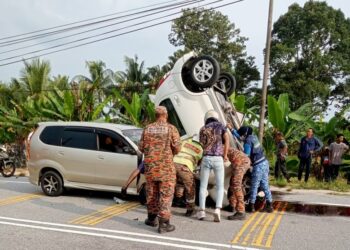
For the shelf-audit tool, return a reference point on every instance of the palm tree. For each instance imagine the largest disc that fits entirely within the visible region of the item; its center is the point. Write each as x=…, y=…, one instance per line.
x=34, y=78
x=133, y=78
x=101, y=78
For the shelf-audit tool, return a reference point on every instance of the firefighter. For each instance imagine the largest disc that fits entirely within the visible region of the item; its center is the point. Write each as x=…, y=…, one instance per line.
x=185, y=163
x=240, y=163
x=160, y=141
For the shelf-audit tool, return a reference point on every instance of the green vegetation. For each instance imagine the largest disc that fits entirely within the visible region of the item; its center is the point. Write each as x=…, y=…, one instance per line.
x=310, y=55
x=340, y=185
x=309, y=67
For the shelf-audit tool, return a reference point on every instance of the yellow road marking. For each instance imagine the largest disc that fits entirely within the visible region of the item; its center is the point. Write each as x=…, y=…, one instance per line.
x=275, y=226
x=260, y=236
x=82, y=218
x=245, y=241
x=257, y=222
x=101, y=213
x=244, y=227
x=20, y=198
x=105, y=214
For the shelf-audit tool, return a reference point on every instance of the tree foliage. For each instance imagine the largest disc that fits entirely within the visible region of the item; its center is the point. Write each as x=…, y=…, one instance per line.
x=310, y=53
x=210, y=32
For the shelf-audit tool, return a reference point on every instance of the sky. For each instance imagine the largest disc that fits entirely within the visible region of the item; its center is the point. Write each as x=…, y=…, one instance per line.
x=150, y=45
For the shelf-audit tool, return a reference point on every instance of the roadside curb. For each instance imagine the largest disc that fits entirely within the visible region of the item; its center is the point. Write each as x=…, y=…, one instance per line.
x=307, y=191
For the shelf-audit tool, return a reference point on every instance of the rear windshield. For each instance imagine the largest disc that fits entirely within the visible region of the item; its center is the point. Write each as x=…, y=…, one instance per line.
x=51, y=135
x=133, y=134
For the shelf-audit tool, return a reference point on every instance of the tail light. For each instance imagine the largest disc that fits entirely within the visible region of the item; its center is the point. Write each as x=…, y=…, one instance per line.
x=163, y=79
x=29, y=138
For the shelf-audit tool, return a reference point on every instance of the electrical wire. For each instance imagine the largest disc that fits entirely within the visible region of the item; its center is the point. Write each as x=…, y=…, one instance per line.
x=30, y=38
x=85, y=20
x=105, y=38
x=105, y=26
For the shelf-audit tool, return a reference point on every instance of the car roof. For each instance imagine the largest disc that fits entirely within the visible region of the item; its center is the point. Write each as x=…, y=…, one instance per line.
x=90, y=124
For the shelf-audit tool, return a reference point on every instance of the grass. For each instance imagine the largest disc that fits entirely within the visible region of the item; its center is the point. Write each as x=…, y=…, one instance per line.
x=340, y=185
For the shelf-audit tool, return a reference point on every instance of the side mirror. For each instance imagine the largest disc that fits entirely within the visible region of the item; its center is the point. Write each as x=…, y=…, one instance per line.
x=129, y=150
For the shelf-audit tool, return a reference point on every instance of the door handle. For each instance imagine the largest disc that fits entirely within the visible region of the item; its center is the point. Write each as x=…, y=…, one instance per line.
x=60, y=152
x=100, y=157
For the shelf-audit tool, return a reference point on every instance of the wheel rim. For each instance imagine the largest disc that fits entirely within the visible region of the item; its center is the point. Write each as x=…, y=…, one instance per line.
x=7, y=169
x=50, y=184
x=203, y=71
x=224, y=84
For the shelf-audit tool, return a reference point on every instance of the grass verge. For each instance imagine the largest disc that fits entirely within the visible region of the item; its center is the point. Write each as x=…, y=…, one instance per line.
x=340, y=185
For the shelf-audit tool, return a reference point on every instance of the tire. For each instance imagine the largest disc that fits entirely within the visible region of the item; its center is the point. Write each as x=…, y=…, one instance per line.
x=204, y=71
x=51, y=183
x=227, y=83
x=8, y=169
x=246, y=184
x=143, y=194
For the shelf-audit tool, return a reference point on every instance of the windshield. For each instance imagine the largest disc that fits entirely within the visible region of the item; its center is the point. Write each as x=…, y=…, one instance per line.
x=133, y=134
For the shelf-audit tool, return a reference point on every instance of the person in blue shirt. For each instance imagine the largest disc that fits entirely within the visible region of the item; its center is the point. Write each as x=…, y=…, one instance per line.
x=260, y=174
x=309, y=144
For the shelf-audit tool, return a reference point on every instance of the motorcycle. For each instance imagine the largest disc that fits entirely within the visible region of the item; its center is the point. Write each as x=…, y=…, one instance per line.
x=7, y=167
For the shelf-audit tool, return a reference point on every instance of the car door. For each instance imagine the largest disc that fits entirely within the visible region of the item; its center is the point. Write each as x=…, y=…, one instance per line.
x=116, y=161
x=78, y=154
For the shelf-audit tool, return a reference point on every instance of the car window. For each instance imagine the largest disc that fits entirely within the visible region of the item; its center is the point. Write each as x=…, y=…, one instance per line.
x=173, y=118
x=79, y=138
x=109, y=141
x=133, y=134
x=51, y=135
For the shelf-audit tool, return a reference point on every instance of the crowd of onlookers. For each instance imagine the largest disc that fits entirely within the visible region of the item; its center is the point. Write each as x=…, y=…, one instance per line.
x=329, y=157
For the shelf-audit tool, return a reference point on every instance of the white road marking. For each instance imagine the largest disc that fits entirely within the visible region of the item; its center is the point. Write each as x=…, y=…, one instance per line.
x=104, y=236
x=20, y=182
x=118, y=232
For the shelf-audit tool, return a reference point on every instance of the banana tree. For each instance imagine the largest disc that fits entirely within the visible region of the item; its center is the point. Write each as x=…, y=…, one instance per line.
x=241, y=104
x=139, y=111
x=285, y=121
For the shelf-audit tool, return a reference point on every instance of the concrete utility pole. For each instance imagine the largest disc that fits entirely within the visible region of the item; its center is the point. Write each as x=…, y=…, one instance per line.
x=266, y=73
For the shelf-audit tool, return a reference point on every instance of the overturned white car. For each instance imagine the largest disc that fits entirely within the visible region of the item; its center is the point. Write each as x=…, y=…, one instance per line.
x=194, y=86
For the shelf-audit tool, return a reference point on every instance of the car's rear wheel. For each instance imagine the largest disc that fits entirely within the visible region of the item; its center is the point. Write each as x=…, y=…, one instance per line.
x=51, y=183
x=227, y=83
x=204, y=71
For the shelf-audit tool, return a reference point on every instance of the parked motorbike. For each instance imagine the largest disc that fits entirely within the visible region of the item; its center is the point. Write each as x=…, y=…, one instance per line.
x=7, y=167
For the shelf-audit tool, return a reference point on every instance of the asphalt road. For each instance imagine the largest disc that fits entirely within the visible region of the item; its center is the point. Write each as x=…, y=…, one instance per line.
x=91, y=220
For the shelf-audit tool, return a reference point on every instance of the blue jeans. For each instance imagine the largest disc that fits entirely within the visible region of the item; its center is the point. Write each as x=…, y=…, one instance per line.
x=260, y=177
x=217, y=164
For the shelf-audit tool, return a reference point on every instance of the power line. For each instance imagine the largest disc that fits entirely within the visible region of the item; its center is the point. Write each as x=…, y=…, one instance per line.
x=34, y=37
x=85, y=20
x=102, y=27
x=102, y=39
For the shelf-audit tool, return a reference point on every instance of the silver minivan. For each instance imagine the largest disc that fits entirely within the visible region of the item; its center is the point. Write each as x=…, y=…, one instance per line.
x=85, y=155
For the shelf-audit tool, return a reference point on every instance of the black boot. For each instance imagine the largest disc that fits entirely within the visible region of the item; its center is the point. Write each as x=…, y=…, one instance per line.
x=237, y=216
x=152, y=220
x=250, y=208
x=190, y=210
x=165, y=226
x=268, y=207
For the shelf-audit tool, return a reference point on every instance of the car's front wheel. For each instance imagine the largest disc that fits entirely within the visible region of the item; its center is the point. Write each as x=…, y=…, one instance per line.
x=51, y=183
x=204, y=71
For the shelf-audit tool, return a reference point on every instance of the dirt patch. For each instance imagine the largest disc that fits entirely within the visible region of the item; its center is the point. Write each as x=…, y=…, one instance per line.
x=21, y=172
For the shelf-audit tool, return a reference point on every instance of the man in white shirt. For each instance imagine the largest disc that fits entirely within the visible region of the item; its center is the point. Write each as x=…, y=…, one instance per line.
x=336, y=151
